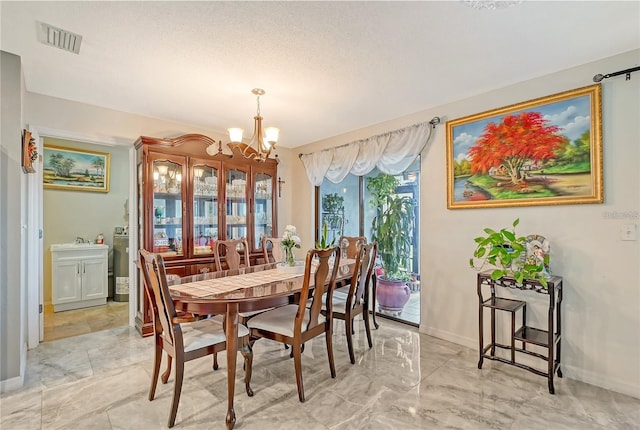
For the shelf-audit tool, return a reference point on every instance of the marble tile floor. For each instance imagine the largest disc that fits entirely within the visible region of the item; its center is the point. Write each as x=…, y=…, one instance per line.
x=60, y=325
x=407, y=381
x=410, y=313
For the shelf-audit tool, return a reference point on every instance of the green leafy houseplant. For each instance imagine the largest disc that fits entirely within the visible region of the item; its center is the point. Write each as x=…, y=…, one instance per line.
x=333, y=208
x=506, y=252
x=392, y=227
x=333, y=203
x=324, y=243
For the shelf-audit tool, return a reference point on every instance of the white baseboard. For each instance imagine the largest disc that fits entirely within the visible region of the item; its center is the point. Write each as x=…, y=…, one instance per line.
x=599, y=380
x=571, y=372
x=451, y=337
x=11, y=384
x=18, y=381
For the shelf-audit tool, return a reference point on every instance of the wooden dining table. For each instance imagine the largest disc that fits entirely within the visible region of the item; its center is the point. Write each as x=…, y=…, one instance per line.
x=241, y=290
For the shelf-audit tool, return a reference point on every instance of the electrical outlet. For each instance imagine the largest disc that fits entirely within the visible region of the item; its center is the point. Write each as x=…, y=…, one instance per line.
x=629, y=232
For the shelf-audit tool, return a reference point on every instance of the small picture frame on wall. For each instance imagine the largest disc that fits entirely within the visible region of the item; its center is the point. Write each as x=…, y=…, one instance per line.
x=75, y=169
x=546, y=151
x=29, y=152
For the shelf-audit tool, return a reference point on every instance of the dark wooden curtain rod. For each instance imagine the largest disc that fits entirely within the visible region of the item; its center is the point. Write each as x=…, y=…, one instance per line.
x=599, y=77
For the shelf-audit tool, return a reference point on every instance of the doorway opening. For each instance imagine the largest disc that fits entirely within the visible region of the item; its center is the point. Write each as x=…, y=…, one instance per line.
x=71, y=215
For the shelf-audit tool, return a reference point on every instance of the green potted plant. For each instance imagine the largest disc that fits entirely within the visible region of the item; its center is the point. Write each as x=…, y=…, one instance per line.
x=324, y=242
x=332, y=203
x=506, y=252
x=392, y=228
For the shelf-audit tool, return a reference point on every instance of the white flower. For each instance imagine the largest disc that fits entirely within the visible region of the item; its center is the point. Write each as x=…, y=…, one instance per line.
x=289, y=238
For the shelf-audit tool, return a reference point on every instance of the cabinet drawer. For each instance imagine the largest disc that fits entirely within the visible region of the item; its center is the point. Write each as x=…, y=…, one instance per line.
x=179, y=269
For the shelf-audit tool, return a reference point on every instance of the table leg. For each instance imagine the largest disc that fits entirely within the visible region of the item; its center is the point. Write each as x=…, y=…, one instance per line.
x=232, y=352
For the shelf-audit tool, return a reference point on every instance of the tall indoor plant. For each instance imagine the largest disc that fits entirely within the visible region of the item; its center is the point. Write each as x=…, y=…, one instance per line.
x=392, y=228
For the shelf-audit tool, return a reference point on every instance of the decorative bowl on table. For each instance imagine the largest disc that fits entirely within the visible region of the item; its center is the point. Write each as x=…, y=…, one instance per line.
x=297, y=268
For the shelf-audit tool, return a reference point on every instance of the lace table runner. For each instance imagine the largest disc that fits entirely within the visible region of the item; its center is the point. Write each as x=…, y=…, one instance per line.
x=226, y=284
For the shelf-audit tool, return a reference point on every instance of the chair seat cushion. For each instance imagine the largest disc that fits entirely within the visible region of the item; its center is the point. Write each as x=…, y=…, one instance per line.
x=202, y=333
x=342, y=291
x=339, y=304
x=252, y=313
x=279, y=320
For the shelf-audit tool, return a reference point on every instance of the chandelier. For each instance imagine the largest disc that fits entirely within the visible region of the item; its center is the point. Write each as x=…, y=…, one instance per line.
x=264, y=142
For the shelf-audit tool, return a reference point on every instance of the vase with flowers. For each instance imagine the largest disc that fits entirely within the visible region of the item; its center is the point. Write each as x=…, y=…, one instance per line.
x=290, y=240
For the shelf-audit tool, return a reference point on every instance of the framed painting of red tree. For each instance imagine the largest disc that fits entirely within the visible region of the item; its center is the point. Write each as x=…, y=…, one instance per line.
x=546, y=151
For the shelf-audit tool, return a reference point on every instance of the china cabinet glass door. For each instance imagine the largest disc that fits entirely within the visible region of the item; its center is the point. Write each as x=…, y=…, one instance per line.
x=262, y=208
x=236, y=203
x=205, y=208
x=167, y=208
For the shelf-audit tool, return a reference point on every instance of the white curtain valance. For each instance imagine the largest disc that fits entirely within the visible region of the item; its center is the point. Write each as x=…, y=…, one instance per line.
x=391, y=153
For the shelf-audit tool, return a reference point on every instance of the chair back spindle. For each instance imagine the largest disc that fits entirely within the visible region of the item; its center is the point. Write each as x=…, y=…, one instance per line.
x=231, y=250
x=273, y=246
x=153, y=268
x=323, y=272
x=349, y=245
x=360, y=282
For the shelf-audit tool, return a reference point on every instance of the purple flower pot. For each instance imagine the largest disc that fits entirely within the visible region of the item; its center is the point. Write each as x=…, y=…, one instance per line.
x=392, y=295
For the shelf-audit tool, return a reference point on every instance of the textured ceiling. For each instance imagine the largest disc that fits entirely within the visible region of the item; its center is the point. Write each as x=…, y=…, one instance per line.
x=327, y=67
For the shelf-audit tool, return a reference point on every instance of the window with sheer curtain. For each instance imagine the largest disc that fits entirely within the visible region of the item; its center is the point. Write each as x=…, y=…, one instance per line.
x=390, y=153
x=358, y=212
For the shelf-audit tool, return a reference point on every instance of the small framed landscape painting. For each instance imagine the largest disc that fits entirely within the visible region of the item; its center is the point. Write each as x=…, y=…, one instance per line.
x=546, y=151
x=75, y=169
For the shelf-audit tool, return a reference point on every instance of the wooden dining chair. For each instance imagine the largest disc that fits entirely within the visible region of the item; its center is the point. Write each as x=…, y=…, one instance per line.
x=234, y=260
x=296, y=324
x=272, y=249
x=349, y=249
x=349, y=245
x=183, y=339
x=356, y=302
x=233, y=256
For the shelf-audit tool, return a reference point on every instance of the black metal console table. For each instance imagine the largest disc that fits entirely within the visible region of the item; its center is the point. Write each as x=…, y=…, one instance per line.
x=549, y=338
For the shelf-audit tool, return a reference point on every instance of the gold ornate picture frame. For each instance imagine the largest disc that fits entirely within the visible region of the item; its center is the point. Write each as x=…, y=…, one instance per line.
x=75, y=169
x=546, y=151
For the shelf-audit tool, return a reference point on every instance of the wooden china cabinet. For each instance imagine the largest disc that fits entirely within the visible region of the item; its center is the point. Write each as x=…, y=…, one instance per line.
x=188, y=199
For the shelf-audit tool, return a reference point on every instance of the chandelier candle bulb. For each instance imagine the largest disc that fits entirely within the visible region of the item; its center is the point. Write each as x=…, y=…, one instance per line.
x=271, y=135
x=235, y=134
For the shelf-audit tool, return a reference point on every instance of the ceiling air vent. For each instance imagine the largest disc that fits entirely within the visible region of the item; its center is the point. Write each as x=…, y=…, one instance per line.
x=59, y=38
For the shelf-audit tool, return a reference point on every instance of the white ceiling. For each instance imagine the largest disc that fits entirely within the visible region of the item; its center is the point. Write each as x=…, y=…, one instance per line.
x=327, y=67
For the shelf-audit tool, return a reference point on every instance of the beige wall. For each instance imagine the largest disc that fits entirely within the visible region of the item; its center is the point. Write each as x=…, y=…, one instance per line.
x=12, y=285
x=601, y=309
x=71, y=214
x=57, y=117
x=602, y=298
x=68, y=214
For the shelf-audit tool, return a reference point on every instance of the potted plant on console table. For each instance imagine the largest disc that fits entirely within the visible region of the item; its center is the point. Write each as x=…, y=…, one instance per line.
x=509, y=255
x=392, y=228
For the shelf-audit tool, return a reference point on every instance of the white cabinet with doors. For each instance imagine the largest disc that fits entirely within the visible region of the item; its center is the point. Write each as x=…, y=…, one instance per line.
x=79, y=277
